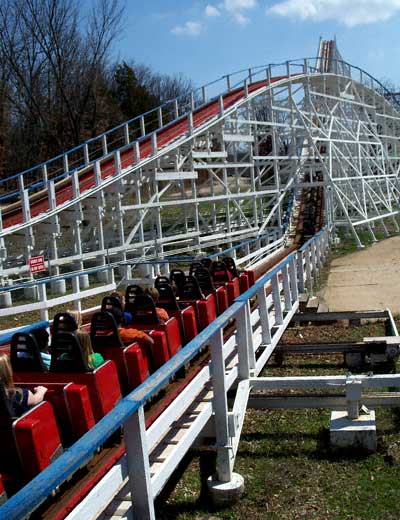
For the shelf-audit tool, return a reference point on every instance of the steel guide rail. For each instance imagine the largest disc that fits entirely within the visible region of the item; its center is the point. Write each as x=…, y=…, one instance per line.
x=129, y=411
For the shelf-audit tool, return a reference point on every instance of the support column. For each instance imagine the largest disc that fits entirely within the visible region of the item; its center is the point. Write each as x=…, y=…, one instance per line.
x=227, y=487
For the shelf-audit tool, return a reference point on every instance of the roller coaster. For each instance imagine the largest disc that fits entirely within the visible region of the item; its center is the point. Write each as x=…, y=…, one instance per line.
x=244, y=191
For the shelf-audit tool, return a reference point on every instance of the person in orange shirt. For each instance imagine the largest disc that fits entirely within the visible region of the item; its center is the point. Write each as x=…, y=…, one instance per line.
x=162, y=314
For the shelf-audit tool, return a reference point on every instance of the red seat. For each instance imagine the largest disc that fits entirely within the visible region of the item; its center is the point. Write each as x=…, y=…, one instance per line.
x=27, y=444
x=243, y=282
x=251, y=277
x=68, y=366
x=186, y=317
x=224, y=277
x=203, y=276
x=71, y=406
x=191, y=294
x=144, y=317
x=37, y=439
x=105, y=339
x=80, y=409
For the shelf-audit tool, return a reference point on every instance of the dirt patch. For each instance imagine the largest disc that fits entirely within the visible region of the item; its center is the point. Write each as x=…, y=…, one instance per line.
x=367, y=279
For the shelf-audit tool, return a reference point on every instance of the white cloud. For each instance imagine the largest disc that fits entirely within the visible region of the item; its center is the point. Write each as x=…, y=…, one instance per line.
x=236, y=7
x=211, y=11
x=348, y=12
x=189, y=29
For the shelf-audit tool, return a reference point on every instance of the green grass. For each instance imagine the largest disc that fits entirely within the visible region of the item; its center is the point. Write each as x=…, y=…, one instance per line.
x=290, y=471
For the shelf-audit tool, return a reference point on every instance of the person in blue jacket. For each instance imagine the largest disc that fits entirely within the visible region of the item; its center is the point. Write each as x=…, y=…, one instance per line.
x=20, y=399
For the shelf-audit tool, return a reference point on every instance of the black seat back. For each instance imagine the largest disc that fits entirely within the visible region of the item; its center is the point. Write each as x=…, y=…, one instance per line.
x=104, y=331
x=167, y=299
x=219, y=272
x=130, y=295
x=66, y=354
x=194, y=266
x=191, y=289
x=231, y=266
x=25, y=353
x=203, y=276
x=113, y=305
x=177, y=276
x=161, y=280
x=206, y=262
x=144, y=310
x=63, y=322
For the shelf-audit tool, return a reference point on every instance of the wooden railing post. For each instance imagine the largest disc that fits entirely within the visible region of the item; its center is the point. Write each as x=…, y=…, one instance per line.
x=139, y=466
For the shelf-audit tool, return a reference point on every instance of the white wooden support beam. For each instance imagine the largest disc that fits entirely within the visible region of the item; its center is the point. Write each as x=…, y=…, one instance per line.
x=243, y=345
x=176, y=108
x=76, y=290
x=264, y=317
x=276, y=298
x=51, y=195
x=136, y=149
x=104, y=143
x=309, y=278
x=221, y=104
x=286, y=288
x=44, y=312
x=97, y=173
x=26, y=211
x=314, y=261
x=126, y=133
x=246, y=88
x=154, y=143
x=160, y=117
x=45, y=173
x=190, y=123
x=86, y=153
x=293, y=280
x=353, y=397
x=142, y=126
x=65, y=163
x=139, y=467
x=75, y=184
x=117, y=162
x=220, y=406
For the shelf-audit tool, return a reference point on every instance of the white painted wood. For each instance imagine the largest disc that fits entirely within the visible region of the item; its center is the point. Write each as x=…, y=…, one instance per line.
x=139, y=466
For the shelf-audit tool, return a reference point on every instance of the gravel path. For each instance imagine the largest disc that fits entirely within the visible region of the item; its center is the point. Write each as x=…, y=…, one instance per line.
x=367, y=279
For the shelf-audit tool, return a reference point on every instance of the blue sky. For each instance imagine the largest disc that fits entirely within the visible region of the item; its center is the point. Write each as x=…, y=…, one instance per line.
x=205, y=39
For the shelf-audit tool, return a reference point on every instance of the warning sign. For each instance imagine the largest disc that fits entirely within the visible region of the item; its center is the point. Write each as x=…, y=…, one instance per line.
x=36, y=264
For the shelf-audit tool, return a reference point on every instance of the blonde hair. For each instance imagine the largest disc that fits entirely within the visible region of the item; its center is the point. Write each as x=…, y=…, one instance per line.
x=153, y=292
x=86, y=344
x=6, y=373
x=77, y=317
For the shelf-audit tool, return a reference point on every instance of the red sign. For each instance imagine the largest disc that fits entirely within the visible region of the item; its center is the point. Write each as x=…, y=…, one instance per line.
x=36, y=264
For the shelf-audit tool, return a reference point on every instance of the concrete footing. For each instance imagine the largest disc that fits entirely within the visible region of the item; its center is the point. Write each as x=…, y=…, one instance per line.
x=103, y=276
x=225, y=493
x=84, y=282
x=358, y=434
x=58, y=287
x=5, y=299
x=31, y=293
